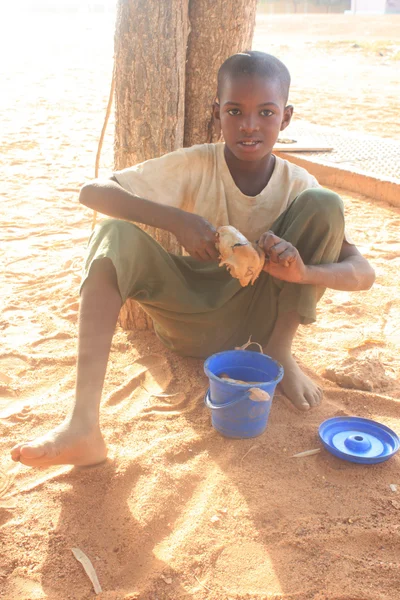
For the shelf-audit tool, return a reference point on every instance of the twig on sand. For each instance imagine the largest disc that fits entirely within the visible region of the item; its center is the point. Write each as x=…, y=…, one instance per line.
x=89, y=568
x=307, y=453
x=6, y=481
x=248, y=452
x=41, y=480
x=202, y=584
x=159, y=394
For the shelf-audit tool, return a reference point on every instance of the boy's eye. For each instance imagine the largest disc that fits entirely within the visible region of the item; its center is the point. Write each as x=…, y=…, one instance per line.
x=233, y=111
x=266, y=112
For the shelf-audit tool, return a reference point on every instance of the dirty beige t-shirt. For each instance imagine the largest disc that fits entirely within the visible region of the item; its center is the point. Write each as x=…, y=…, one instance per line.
x=198, y=180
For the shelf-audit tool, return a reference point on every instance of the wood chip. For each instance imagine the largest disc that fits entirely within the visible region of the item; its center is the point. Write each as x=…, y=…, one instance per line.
x=230, y=380
x=214, y=519
x=89, y=568
x=5, y=378
x=395, y=504
x=307, y=453
x=393, y=487
x=259, y=395
x=167, y=580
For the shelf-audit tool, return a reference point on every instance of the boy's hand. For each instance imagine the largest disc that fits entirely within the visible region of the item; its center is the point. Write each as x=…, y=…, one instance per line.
x=197, y=236
x=282, y=259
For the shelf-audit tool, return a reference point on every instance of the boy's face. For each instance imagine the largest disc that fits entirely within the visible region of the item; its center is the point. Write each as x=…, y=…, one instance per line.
x=252, y=112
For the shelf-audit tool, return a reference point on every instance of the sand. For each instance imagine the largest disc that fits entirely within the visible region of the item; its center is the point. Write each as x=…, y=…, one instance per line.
x=179, y=512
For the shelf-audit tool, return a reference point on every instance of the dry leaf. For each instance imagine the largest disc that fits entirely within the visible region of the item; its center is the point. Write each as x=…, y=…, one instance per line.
x=307, y=453
x=89, y=568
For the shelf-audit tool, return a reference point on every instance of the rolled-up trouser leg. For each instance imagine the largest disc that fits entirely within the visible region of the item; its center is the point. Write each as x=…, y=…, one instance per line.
x=197, y=307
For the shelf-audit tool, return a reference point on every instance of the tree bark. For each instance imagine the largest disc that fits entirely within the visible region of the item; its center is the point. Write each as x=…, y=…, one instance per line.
x=150, y=56
x=165, y=84
x=219, y=28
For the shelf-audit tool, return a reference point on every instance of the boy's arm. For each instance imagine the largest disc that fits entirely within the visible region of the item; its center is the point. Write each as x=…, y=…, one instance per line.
x=352, y=272
x=193, y=232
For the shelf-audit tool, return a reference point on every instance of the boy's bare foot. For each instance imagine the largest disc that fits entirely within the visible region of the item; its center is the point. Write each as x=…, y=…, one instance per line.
x=301, y=391
x=69, y=443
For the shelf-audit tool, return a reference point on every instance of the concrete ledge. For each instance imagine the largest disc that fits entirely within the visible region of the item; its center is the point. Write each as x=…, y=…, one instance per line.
x=366, y=164
x=331, y=176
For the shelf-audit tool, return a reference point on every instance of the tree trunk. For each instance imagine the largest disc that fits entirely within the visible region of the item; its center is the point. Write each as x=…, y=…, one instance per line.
x=150, y=54
x=165, y=84
x=219, y=28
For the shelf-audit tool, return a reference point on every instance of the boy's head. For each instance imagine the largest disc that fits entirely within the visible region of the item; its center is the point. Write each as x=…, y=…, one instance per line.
x=255, y=63
x=253, y=89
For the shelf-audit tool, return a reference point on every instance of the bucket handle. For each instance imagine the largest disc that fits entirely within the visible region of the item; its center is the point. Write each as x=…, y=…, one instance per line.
x=263, y=397
x=210, y=404
x=249, y=343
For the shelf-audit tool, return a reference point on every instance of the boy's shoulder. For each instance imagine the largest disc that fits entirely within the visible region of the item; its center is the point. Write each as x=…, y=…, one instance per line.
x=203, y=151
x=292, y=175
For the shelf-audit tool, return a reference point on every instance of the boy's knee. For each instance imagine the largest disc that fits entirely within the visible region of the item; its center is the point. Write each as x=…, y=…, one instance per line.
x=322, y=202
x=109, y=226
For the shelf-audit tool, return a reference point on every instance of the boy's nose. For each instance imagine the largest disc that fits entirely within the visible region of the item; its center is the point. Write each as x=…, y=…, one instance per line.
x=249, y=125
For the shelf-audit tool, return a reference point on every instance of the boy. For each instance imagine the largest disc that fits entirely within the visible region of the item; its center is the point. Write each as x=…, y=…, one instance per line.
x=196, y=306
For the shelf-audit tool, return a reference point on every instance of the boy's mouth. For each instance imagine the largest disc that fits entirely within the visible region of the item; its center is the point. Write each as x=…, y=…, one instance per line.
x=249, y=143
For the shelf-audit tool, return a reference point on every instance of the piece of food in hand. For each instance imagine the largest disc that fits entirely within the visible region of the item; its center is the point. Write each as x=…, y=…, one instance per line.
x=243, y=260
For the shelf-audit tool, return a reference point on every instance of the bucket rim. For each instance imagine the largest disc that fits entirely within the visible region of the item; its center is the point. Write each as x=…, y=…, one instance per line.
x=211, y=375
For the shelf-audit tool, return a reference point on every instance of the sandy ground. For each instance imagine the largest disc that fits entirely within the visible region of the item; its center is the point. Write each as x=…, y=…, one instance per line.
x=314, y=528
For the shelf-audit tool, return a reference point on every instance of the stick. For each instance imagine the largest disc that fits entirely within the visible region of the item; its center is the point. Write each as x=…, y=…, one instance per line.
x=103, y=131
x=202, y=584
x=307, y=453
x=248, y=452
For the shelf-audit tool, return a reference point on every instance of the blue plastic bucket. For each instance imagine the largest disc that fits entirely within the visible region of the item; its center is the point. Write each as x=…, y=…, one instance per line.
x=233, y=412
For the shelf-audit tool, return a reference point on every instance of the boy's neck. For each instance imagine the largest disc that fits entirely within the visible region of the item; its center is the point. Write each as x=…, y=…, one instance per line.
x=251, y=177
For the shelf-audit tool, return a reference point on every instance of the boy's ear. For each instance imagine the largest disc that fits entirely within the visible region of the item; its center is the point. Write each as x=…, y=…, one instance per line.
x=216, y=110
x=287, y=116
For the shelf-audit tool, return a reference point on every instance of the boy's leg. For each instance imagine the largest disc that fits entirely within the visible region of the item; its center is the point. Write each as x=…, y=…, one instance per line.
x=300, y=389
x=314, y=223
x=123, y=262
x=78, y=439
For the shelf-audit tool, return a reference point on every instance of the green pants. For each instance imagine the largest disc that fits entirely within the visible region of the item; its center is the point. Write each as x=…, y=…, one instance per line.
x=198, y=308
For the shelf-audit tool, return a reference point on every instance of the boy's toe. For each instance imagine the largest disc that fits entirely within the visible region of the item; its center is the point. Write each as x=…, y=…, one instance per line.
x=30, y=451
x=16, y=453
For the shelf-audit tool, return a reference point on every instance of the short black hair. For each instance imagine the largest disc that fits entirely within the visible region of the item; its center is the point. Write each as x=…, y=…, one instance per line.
x=253, y=62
